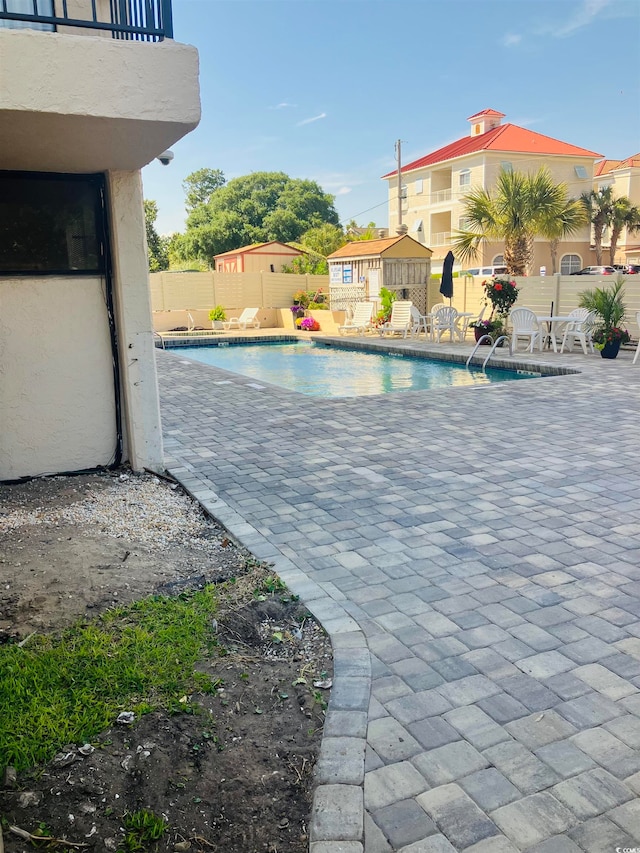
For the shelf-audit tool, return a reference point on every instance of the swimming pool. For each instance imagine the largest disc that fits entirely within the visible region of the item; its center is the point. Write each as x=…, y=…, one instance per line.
x=320, y=371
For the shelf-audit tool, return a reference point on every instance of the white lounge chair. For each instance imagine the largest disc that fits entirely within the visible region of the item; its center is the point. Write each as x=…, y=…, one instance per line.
x=635, y=358
x=361, y=320
x=579, y=329
x=524, y=324
x=247, y=318
x=400, y=320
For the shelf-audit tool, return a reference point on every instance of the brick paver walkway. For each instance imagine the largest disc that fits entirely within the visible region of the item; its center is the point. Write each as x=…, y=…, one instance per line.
x=475, y=555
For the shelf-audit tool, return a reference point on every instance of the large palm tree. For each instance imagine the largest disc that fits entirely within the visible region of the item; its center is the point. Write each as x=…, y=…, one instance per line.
x=598, y=205
x=623, y=215
x=521, y=207
x=562, y=224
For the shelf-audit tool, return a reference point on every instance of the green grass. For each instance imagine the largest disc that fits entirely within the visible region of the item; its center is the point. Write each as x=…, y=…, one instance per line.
x=67, y=688
x=141, y=828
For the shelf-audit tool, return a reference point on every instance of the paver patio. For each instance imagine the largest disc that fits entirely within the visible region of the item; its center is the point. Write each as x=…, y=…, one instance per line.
x=474, y=553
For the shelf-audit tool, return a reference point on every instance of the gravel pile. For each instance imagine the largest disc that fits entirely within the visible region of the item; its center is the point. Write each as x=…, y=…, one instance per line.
x=138, y=507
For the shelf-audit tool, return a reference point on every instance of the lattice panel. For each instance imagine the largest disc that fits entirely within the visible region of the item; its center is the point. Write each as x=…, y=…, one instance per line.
x=341, y=296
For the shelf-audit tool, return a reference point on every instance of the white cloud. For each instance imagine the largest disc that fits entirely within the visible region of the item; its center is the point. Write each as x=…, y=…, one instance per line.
x=585, y=15
x=343, y=191
x=312, y=119
x=511, y=40
x=282, y=106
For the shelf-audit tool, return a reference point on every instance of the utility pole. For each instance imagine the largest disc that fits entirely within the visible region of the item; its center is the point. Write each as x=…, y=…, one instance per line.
x=399, y=161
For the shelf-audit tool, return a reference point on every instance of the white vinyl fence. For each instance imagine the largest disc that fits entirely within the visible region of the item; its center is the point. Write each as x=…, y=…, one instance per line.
x=180, y=291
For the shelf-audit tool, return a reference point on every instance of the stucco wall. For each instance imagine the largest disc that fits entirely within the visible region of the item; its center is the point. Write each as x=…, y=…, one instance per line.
x=57, y=408
x=81, y=103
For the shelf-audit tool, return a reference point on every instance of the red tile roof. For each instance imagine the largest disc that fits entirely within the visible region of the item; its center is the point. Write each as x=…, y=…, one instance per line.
x=508, y=138
x=492, y=113
x=605, y=166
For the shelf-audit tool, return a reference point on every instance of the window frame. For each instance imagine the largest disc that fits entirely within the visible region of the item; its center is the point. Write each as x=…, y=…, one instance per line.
x=578, y=264
x=464, y=178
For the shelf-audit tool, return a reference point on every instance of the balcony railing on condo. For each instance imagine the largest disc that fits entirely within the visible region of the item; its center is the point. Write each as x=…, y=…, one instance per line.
x=441, y=239
x=440, y=196
x=137, y=20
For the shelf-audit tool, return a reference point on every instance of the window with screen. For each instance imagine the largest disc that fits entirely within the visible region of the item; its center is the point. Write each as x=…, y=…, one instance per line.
x=50, y=224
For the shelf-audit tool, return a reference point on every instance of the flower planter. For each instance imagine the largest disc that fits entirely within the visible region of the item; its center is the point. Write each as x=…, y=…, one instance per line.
x=478, y=333
x=610, y=349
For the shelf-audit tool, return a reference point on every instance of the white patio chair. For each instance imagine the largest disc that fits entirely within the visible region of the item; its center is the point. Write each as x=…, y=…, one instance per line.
x=579, y=329
x=247, y=318
x=444, y=320
x=419, y=322
x=635, y=358
x=400, y=320
x=524, y=324
x=360, y=322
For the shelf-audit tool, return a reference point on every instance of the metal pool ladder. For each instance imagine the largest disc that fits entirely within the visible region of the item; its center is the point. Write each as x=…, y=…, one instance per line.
x=492, y=350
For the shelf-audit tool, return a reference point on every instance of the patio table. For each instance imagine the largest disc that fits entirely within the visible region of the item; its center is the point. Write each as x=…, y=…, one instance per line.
x=553, y=320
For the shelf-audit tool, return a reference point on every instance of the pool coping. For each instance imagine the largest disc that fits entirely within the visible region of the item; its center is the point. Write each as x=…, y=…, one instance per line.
x=407, y=347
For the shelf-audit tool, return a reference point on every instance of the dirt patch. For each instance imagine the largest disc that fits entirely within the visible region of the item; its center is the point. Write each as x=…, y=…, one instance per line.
x=234, y=772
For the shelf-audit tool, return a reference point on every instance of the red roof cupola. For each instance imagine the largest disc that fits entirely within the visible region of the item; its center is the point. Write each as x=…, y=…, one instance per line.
x=483, y=121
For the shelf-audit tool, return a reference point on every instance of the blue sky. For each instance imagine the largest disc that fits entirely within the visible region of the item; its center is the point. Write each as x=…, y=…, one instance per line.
x=321, y=89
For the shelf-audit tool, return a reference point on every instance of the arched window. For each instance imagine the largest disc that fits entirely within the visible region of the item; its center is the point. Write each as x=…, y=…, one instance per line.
x=570, y=264
x=498, y=261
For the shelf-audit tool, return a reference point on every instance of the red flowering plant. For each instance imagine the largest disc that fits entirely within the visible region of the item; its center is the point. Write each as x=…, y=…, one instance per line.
x=602, y=336
x=502, y=293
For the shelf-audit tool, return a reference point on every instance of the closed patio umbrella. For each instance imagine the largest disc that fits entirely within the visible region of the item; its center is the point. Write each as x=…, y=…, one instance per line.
x=446, y=283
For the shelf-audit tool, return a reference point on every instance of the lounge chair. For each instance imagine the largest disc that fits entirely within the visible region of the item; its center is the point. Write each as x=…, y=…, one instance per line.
x=400, y=320
x=247, y=318
x=361, y=320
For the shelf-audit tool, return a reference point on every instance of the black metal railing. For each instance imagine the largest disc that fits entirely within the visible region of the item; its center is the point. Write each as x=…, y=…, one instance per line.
x=137, y=20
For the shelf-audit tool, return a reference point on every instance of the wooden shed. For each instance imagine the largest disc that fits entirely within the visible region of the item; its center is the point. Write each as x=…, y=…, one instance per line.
x=358, y=270
x=258, y=257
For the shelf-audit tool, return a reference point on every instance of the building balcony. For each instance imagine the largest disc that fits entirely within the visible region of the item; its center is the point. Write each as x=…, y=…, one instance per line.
x=85, y=98
x=440, y=196
x=442, y=238
x=135, y=20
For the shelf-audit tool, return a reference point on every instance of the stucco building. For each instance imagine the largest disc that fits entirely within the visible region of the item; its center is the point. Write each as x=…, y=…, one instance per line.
x=623, y=176
x=433, y=186
x=91, y=93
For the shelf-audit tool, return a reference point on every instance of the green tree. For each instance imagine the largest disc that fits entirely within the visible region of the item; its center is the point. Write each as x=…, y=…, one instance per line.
x=521, y=207
x=562, y=224
x=200, y=185
x=157, y=253
x=255, y=208
x=599, y=206
x=323, y=239
x=623, y=215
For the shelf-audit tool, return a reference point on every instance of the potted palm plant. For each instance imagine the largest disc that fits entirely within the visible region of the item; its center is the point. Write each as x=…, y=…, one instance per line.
x=607, y=303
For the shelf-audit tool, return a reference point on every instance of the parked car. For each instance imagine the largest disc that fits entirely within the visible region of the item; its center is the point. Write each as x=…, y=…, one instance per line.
x=596, y=271
x=485, y=271
x=632, y=269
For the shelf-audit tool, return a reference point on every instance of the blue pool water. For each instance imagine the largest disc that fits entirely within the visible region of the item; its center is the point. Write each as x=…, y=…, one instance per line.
x=320, y=371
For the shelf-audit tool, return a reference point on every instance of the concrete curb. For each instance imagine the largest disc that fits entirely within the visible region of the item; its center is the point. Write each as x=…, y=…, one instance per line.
x=337, y=817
